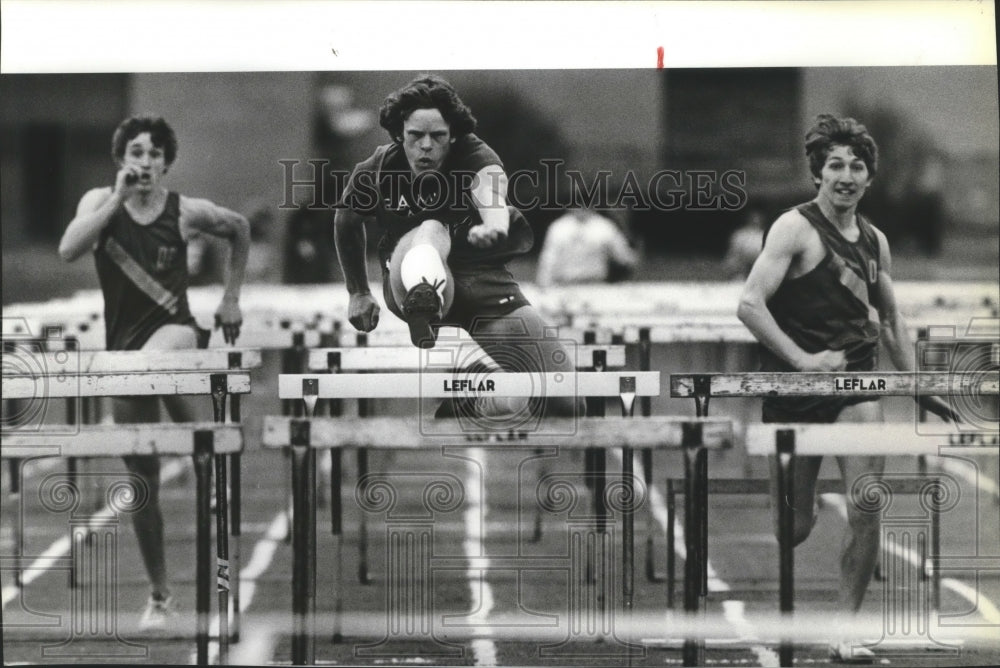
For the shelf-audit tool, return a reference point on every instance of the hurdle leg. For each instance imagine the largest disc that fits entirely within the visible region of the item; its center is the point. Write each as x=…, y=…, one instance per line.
x=671, y=539
x=594, y=476
x=701, y=410
x=203, y=448
x=72, y=469
x=337, y=529
x=236, y=522
x=600, y=471
x=628, y=539
x=647, y=477
x=222, y=555
x=220, y=392
x=363, y=575
x=14, y=468
x=693, y=652
x=303, y=650
x=786, y=530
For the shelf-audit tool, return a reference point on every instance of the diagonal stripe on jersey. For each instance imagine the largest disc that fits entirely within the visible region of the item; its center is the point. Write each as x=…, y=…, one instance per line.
x=850, y=280
x=142, y=280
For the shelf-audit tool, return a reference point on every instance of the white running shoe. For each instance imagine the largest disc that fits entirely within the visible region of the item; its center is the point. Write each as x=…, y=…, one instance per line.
x=157, y=612
x=847, y=651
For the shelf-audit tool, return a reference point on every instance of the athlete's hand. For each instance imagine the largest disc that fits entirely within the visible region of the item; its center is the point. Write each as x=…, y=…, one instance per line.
x=126, y=181
x=939, y=407
x=362, y=312
x=229, y=317
x=487, y=235
x=827, y=360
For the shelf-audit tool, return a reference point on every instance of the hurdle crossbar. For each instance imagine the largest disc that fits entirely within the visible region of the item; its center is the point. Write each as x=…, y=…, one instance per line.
x=788, y=441
x=833, y=383
x=120, y=384
x=455, y=356
x=444, y=385
x=201, y=441
x=400, y=433
x=119, y=440
x=400, y=337
x=847, y=439
x=144, y=361
x=305, y=436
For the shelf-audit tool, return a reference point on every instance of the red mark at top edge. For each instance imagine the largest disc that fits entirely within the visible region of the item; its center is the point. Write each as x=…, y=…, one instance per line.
x=659, y=57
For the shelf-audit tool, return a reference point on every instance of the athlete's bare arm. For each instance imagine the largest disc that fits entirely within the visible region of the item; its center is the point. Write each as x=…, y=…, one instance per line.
x=489, y=195
x=787, y=242
x=352, y=249
x=201, y=216
x=895, y=334
x=93, y=213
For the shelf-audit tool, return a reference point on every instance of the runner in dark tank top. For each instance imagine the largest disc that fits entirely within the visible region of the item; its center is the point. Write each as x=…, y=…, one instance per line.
x=143, y=274
x=138, y=231
x=820, y=298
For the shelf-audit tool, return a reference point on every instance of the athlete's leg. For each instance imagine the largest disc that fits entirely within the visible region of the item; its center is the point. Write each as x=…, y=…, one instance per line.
x=420, y=259
x=148, y=520
x=804, y=495
x=861, y=542
x=517, y=343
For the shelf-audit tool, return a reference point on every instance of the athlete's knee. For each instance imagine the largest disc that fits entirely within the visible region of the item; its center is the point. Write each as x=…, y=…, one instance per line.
x=803, y=521
x=863, y=522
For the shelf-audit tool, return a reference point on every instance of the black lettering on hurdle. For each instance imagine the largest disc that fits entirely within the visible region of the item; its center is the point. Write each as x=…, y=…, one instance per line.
x=363, y=433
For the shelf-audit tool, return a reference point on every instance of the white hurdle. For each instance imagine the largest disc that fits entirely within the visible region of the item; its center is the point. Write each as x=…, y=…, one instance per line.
x=105, y=377
x=787, y=441
x=453, y=354
x=306, y=435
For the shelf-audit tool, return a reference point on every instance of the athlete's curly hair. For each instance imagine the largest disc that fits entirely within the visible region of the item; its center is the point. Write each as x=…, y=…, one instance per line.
x=160, y=133
x=428, y=91
x=830, y=131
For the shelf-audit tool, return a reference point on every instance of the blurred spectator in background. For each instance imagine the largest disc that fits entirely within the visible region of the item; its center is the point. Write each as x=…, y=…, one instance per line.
x=309, y=250
x=744, y=246
x=207, y=257
x=338, y=128
x=923, y=207
x=585, y=247
x=261, y=265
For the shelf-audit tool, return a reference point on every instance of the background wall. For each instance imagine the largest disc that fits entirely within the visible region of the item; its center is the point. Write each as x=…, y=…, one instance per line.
x=937, y=128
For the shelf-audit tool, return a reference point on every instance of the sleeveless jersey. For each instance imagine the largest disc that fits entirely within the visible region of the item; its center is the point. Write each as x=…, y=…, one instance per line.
x=831, y=307
x=383, y=186
x=143, y=274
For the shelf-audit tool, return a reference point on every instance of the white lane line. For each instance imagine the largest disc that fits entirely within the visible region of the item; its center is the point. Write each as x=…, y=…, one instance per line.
x=38, y=568
x=61, y=547
x=962, y=470
x=979, y=600
x=259, y=650
x=484, y=649
x=732, y=609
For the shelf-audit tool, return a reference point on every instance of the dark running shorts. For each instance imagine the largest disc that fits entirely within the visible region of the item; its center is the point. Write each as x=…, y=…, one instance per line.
x=818, y=410
x=485, y=292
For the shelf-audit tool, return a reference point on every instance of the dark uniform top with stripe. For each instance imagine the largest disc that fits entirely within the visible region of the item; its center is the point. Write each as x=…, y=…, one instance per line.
x=143, y=274
x=383, y=186
x=832, y=307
